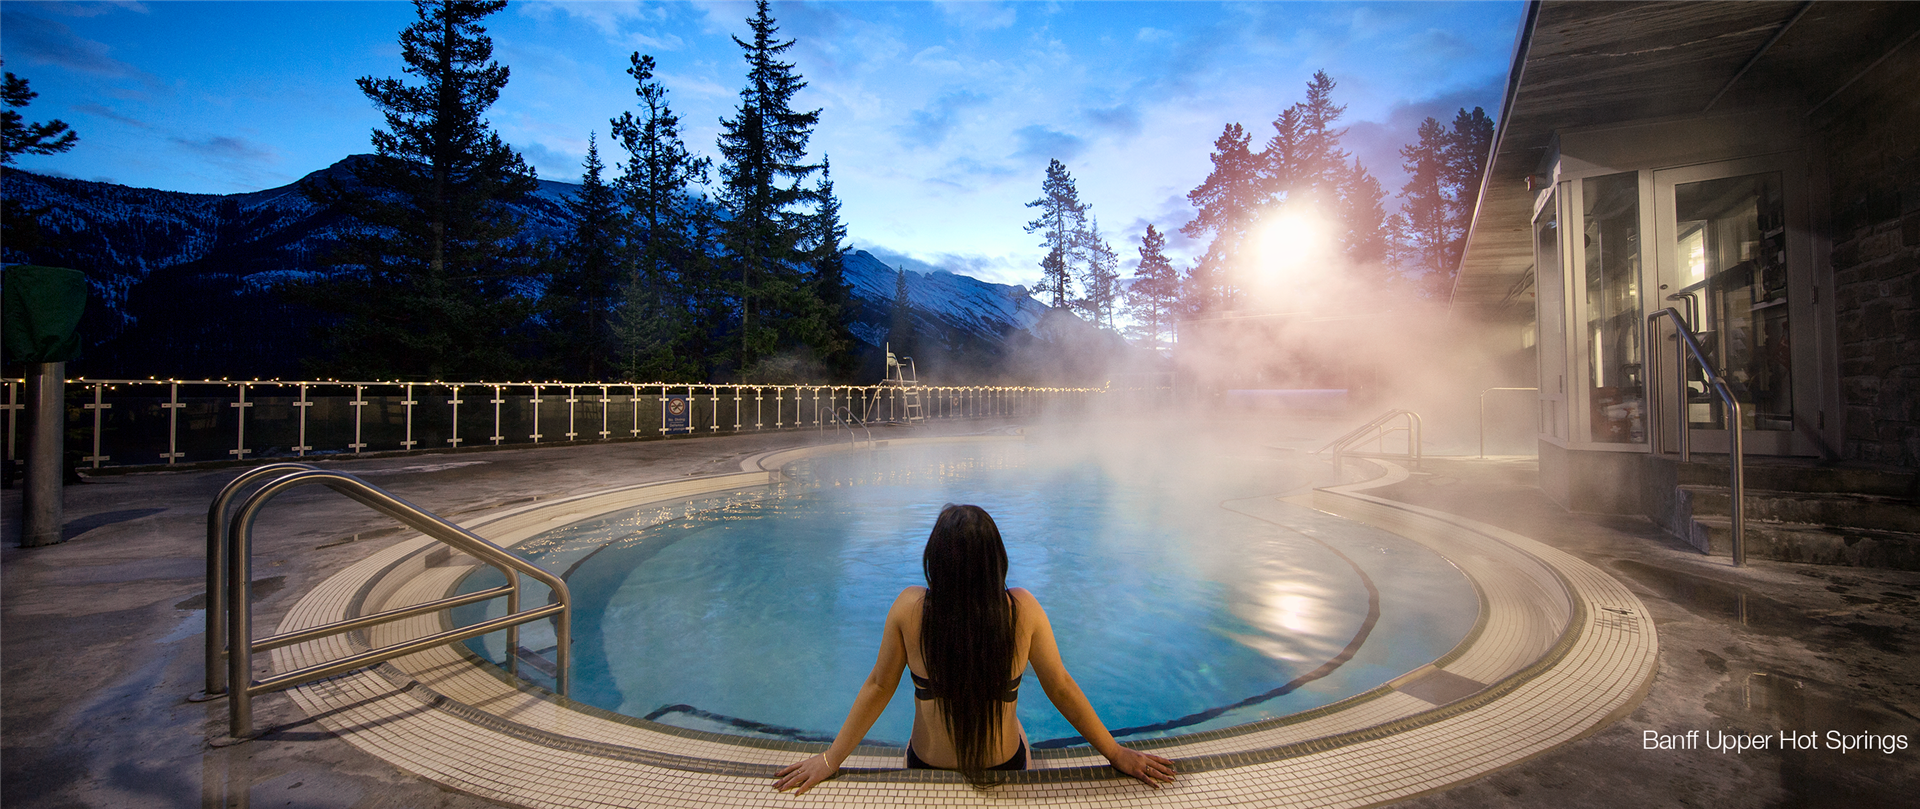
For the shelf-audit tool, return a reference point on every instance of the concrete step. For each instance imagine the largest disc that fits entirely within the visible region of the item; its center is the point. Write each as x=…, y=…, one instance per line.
x=1869, y=511
x=1815, y=544
x=1804, y=475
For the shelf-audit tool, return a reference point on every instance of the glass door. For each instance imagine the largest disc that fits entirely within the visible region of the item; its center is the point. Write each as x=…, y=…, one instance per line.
x=1733, y=259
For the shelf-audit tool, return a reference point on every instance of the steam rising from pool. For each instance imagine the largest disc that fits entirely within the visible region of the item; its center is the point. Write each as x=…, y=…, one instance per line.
x=1180, y=602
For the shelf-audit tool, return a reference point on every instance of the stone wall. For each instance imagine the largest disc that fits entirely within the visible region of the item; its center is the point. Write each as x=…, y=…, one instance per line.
x=1873, y=156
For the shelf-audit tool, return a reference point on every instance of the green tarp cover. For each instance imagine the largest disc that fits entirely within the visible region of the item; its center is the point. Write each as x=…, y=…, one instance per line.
x=40, y=310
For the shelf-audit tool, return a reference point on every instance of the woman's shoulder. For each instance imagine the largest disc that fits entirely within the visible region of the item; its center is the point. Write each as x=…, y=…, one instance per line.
x=910, y=597
x=1022, y=597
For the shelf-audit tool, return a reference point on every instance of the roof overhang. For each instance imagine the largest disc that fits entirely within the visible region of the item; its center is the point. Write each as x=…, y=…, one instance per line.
x=1587, y=64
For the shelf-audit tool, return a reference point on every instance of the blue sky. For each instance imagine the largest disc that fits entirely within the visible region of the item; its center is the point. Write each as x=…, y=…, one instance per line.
x=939, y=117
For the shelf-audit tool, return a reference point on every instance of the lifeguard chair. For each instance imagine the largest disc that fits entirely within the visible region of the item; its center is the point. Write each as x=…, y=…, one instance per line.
x=901, y=374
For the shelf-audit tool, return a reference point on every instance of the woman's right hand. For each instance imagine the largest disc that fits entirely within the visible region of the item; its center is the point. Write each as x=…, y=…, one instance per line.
x=1147, y=767
x=804, y=774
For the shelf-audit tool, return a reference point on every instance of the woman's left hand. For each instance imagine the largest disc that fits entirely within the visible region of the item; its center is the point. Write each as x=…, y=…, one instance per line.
x=804, y=774
x=1147, y=767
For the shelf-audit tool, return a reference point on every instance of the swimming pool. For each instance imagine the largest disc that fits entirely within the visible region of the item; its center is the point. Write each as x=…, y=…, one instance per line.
x=758, y=613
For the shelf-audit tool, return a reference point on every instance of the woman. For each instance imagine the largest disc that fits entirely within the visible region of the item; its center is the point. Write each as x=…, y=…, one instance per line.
x=966, y=638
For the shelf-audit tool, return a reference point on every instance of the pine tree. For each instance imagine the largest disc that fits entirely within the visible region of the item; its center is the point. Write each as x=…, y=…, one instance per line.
x=1425, y=225
x=1062, y=225
x=664, y=333
x=1227, y=203
x=432, y=282
x=763, y=147
x=587, y=279
x=900, y=336
x=20, y=227
x=1155, y=293
x=1321, y=163
x=1100, y=278
x=1467, y=145
x=1363, y=219
x=824, y=329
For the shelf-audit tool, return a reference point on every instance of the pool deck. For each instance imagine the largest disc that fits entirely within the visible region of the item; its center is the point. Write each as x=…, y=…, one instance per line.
x=102, y=643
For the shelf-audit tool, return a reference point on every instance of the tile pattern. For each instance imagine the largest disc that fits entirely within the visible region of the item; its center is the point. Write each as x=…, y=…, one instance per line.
x=1564, y=648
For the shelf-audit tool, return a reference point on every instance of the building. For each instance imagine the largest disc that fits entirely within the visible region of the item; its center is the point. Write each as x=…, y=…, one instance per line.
x=1755, y=166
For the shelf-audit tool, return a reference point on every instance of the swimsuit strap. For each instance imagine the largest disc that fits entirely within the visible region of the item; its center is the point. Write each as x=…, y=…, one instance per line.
x=923, y=688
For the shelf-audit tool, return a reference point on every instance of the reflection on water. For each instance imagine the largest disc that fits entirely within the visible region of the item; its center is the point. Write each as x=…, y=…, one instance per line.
x=766, y=607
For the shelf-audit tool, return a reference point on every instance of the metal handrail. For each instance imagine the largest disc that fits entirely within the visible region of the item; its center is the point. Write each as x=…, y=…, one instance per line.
x=1360, y=433
x=1684, y=344
x=849, y=421
x=1483, y=415
x=241, y=645
x=217, y=574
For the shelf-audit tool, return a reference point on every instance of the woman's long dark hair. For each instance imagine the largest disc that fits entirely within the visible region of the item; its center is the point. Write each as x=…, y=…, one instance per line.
x=966, y=630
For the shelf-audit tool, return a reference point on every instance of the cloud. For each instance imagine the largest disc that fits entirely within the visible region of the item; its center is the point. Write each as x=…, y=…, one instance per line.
x=1151, y=34
x=95, y=9
x=929, y=126
x=101, y=111
x=52, y=43
x=1039, y=142
x=221, y=147
x=978, y=14
x=1376, y=144
x=990, y=268
x=551, y=163
x=612, y=18
x=1122, y=119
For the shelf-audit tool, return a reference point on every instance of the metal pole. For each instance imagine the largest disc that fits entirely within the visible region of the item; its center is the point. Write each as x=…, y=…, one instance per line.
x=454, y=439
x=359, y=403
x=573, y=397
x=99, y=408
x=1680, y=382
x=300, y=407
x=496, y=401
x=407, y=401
x=46, y=409
x=173, y=423
x=535, y=435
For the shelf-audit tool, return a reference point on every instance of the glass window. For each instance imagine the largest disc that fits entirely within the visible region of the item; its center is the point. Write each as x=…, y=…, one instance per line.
x=1551, y=351
x=1732, y=250
x=1611, y=235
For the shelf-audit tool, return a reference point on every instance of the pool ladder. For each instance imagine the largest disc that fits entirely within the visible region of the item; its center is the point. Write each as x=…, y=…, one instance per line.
x=229, y=665
x=845, y=417
x=1376, y=430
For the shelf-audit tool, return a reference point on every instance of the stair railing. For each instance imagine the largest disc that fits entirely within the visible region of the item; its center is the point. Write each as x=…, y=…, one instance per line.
x=1377, y=429
x=1686, y=343
x=845, y=417
x=234, y=568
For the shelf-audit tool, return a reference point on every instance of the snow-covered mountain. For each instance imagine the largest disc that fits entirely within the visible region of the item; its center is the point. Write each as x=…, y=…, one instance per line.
x=184, y=284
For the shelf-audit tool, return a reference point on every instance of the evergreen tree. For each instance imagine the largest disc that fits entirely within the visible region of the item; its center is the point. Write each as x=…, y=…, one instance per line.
x=1321, y=164
x=824, y=329
x=432, y=282
x=763, y=147
x=664, y=332
x=1444, y=170
x=1227, y=203
x=1154, y=296
x=900, y=336
x=1100, y=278
x=1363, y=218
x=1054, y=275
x=1425, y=227
x=1062, y=226
x=587, y=280
x=20, y=228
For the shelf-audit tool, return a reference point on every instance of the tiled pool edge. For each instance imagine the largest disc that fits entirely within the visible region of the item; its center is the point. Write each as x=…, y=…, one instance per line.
x=1320, y=771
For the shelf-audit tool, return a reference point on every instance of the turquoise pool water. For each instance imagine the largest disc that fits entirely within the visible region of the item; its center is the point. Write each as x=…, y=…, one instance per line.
x=759, y=612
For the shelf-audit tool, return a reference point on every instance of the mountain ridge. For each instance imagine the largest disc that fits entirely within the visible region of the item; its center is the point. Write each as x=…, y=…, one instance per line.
x=186, y=283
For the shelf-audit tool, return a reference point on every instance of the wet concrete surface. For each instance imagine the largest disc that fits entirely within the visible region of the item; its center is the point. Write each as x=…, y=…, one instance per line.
x=102, y=643
x=1814, y=662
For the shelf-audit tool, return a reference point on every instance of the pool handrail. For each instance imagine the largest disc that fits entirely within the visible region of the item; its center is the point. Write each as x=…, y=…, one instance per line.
x=1376, y=428
x=1483, y=415
x=216, y=652
x=849, y=421
x=241, y=646
x=1686, y=343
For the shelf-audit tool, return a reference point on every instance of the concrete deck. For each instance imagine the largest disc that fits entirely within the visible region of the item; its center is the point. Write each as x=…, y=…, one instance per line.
x=102, y=642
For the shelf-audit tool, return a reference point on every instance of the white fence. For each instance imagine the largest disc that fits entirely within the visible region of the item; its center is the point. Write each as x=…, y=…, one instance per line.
x=142, y=422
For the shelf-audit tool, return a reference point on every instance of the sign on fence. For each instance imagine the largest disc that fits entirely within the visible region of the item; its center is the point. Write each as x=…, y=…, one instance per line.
x=679, y=414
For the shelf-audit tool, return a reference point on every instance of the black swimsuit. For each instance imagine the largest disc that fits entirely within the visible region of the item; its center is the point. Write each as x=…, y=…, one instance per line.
x=923, y=689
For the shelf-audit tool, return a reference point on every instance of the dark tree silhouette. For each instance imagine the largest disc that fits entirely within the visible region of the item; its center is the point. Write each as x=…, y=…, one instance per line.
x=1227, y=203
x=671, y=309
x=587, y=279
x=431, y=281
x=763, y=149
x=1155, y=293
x=20, y=228
x=1062, y=226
